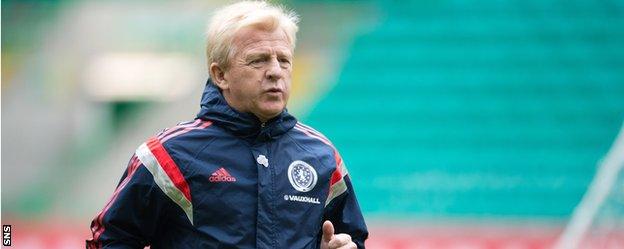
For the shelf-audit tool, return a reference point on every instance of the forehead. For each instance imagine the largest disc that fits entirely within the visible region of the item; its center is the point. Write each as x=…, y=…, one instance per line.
x=251, y=39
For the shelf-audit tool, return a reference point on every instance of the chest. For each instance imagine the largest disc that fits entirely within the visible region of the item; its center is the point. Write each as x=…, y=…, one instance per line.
x=273, y=191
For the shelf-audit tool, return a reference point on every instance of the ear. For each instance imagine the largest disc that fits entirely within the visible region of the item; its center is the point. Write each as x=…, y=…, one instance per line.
x=218, y=75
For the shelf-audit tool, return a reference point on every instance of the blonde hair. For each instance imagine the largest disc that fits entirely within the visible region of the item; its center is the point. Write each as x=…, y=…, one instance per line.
x=230, y=19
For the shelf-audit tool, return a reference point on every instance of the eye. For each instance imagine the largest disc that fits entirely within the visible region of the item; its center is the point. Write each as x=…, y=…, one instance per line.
x=284, y=61
x=257, y=62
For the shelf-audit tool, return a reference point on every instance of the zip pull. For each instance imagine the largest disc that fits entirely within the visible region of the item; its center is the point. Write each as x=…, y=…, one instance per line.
x=263, y=124
x=263, y=160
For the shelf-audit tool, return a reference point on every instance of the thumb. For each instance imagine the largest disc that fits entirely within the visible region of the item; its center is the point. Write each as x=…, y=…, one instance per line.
x=328, y=231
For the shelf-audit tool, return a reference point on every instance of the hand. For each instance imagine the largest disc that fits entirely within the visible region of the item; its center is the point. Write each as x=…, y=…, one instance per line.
x=335, y=241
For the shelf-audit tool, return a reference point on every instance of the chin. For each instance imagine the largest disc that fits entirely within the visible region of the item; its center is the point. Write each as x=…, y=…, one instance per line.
x=272, y=111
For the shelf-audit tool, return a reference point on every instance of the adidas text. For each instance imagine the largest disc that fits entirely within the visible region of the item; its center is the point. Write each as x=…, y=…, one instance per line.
x=221, y=179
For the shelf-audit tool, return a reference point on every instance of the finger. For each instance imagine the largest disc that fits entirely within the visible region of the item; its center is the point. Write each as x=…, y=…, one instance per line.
x=328, y=231
x=351, y=245
x=339, y=240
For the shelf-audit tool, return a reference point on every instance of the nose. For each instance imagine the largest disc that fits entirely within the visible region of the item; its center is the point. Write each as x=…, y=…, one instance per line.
x=274, y=71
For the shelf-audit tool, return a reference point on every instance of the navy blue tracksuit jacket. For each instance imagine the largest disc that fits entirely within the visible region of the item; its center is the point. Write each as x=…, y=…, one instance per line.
x=226, y=180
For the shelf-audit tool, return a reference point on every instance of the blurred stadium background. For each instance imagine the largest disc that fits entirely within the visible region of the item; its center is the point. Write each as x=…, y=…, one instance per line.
x=464, y=124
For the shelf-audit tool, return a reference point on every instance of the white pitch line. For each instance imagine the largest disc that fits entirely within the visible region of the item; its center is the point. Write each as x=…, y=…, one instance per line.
x=598, y=191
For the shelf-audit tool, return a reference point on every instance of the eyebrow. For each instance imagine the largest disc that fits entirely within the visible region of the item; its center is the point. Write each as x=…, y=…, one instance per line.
x=285, y=52
x=257, y=55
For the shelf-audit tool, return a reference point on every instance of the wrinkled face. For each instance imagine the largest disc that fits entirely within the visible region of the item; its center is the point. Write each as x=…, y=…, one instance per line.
x=259, y=74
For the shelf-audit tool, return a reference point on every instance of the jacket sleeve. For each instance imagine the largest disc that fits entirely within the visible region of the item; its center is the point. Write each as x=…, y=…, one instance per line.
x=130, y=218
x=342, y=208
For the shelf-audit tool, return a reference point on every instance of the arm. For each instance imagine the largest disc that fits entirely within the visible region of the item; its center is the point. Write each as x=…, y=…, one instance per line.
x=344, y=213
x=131, y=217
x=342, y=208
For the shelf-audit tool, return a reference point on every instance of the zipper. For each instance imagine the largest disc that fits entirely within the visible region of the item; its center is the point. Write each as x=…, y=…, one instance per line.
x=263, y=124
x=273, y=191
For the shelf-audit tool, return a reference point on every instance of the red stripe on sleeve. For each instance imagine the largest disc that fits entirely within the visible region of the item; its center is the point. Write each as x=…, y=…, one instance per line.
x=337, y=175
x=169, y=166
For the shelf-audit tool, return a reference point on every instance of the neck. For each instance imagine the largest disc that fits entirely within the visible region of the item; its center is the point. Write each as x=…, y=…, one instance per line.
x=232, y=102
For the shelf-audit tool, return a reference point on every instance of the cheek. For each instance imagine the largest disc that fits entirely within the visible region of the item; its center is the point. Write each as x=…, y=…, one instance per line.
x=288, y=82
x=249, y=74
x=246, y=83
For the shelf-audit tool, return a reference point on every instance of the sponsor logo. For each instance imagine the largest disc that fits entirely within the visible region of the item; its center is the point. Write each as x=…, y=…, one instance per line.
x=302, y=176
x=221, y=175
x=298, y=198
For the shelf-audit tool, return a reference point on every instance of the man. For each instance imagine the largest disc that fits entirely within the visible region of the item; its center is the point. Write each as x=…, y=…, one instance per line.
x=245, y=173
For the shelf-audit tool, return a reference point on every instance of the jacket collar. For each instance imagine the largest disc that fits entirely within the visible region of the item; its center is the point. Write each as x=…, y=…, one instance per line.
x=244, y=125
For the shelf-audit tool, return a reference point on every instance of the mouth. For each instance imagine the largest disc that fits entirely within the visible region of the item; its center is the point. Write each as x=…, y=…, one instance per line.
x=274, y=90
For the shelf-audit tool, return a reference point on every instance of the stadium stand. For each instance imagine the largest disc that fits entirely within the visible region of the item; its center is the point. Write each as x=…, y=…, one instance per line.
x=475, y=109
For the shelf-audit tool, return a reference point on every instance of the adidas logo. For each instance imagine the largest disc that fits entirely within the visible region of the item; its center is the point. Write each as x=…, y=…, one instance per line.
x=221, y=175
